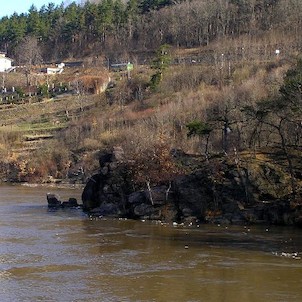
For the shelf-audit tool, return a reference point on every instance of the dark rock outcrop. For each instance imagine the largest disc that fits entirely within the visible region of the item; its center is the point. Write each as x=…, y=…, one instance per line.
x=90, y=195
x=108, y=189
x=71, y=203
x=54, y=202
x=216, y=192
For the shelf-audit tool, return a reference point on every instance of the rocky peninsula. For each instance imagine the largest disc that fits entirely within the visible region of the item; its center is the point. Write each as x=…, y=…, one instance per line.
x=224, y=189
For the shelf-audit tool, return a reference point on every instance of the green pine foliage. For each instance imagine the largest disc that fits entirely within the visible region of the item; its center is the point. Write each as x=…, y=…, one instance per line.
x=116, y=25
x=198, y=128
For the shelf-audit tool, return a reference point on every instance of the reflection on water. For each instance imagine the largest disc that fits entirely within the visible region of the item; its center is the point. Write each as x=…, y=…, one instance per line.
x=65, y=256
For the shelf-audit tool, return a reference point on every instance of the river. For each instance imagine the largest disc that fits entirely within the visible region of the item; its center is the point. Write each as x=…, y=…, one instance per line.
x=64, y=255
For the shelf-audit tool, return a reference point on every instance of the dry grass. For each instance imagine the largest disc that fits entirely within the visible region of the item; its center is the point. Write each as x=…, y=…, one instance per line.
x=119, y=117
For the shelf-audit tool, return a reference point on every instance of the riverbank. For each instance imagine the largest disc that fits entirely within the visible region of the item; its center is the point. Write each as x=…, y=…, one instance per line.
x=60, y=185
x=234, y=189
x=239, y=188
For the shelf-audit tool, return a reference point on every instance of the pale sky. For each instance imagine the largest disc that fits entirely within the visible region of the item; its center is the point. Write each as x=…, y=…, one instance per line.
x=8, y=7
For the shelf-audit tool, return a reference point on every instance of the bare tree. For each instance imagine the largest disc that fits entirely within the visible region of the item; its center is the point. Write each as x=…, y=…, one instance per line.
x=28, y=53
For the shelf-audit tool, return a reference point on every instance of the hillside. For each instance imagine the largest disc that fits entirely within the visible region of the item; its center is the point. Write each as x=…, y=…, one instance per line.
x=133, y=114
x=228, y=98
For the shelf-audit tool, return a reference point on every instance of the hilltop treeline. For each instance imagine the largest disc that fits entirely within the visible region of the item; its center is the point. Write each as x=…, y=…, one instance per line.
x=110, y=26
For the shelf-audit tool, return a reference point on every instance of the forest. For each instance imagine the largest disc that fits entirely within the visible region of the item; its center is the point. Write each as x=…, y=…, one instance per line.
x=114, y=27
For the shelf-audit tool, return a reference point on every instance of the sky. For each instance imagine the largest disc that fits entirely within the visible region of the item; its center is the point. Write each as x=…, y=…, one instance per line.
x=8, y=7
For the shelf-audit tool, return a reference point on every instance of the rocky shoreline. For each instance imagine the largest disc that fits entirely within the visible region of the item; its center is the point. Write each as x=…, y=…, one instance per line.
x=224, y=195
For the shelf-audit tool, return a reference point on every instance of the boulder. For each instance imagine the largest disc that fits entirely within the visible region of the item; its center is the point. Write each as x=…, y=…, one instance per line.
x=193, y=195
x=53, y=200
x=90, y=195
x=110, y=185
x=71, y=203
x=136, y=198
x=107, y=209
x=158, y=195
x=147, y=211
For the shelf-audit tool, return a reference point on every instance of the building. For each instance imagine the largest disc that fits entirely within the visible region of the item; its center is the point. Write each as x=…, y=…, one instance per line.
x=50, y=70
x=5, y=63
x=54, y=70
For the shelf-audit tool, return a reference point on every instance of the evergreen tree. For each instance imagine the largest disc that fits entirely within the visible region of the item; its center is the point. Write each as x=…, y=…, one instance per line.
x=200, y=129
x=159, y=64
x=16, y=28
x=34, y=22
x=4, y=37
x=148, y=5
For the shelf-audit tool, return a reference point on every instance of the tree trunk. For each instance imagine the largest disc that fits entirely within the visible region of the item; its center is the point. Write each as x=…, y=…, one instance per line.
x=289, y=161
x=168, y=190
x=150, y=191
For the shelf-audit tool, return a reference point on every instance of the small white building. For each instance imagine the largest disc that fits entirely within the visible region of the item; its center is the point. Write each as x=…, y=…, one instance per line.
x=5, y=62
x=54, y=70
x=50, y=70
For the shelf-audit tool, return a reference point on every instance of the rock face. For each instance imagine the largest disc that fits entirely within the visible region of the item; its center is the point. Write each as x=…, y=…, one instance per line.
x=106, y=191
x=90, y=195
x=216, y=193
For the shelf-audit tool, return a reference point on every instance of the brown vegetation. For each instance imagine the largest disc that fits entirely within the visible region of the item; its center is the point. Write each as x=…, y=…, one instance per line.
x=133, y=116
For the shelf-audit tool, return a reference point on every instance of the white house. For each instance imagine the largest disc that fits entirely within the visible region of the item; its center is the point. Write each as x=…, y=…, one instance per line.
x=54, y=70
x=5, y=63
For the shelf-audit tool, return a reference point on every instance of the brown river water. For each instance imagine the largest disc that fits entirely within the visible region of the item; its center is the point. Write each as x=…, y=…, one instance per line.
x=66, y=256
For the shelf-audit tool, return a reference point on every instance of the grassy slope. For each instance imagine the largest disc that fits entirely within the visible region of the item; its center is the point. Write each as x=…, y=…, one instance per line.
x=81, y=126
